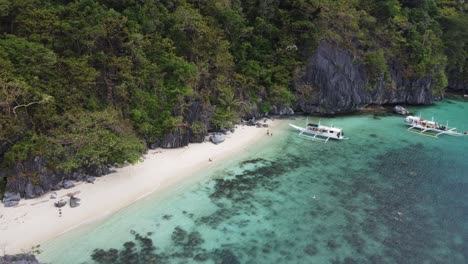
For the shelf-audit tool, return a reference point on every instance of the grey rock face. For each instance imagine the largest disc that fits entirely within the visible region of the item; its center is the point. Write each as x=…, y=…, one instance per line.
x=20, y=180
x=400, y=110
x=281, y=110
x=178, y=137
x=29, y=191
x=334, y=82
x=183, y=135
x=217, y=138
x=19, y=259
x=68, y=184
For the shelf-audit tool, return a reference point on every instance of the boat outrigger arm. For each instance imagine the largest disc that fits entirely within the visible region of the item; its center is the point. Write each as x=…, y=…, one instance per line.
x=450, y=131
x=313, y=138
x=427, y=127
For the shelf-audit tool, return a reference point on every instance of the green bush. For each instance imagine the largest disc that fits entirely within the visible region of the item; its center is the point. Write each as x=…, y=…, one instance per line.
x=199, y=128
x=376, y=66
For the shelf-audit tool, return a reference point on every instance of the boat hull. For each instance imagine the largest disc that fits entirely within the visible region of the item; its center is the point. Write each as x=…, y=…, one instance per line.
x=317, y=133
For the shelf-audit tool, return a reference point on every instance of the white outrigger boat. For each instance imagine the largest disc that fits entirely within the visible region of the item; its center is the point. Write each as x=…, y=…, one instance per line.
x=320, y=132
x=430, y=128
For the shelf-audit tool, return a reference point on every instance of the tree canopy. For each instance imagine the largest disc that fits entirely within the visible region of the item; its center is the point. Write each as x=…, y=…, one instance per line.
x=85, y=82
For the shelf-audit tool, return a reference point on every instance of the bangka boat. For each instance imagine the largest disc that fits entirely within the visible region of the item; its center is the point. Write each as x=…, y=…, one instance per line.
x=320, y=132
x=430, y=127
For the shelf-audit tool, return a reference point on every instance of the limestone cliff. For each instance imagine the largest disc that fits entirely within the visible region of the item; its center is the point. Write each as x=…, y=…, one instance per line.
x=333, y=81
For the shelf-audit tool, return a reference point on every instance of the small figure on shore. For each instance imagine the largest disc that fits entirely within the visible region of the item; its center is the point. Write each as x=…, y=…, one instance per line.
x=210, y=160
x=268, y=132
x=271, y=134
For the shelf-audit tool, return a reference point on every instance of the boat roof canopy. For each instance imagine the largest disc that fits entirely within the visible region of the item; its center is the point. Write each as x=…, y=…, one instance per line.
x=336, y=129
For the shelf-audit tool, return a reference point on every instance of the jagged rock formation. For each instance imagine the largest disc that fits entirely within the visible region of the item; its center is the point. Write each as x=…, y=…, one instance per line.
x=281, y=111
x=334, y=82
x=32, y=178
x=19, y=259
x=181, y=136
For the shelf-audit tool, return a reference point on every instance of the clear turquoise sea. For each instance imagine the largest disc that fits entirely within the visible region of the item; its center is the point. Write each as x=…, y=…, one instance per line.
x=383, y=196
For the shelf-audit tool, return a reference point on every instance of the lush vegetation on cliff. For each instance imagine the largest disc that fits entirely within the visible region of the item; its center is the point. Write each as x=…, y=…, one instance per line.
x=88, y=82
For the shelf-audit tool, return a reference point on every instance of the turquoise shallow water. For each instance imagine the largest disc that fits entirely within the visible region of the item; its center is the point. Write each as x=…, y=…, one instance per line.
x=384, y=196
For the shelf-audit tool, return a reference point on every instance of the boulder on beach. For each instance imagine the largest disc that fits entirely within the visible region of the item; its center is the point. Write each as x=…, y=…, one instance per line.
x=11, y=199
x=10, y=203
x=217, y=138
x=68, y=184
x=74, y=201
x=60, y=203
x=400, y=110
x=90, y=179
x=9, y=196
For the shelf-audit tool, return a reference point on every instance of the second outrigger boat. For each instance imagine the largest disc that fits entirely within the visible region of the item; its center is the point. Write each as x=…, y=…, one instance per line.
x=320, y=132
x=430, y=127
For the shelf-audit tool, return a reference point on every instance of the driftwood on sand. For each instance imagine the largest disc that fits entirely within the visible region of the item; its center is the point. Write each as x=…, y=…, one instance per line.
x=70, y=194
x=43, y=201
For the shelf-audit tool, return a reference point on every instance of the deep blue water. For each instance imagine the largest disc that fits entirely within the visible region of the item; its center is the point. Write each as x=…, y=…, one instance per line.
x=383, y=196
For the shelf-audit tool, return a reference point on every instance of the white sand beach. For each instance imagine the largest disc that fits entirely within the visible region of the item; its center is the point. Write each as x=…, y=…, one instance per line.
x=37, y=220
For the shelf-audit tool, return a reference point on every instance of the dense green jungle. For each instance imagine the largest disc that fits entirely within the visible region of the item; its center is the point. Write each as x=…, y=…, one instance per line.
x=88, y=83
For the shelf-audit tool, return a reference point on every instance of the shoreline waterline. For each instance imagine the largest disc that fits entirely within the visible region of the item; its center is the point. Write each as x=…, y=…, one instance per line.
x=384, y=196
x=160, y=171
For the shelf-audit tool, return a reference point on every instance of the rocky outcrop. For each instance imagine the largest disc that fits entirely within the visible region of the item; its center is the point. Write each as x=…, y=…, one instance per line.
x=457, y=82
x=333, y=81
x=281, y=111
x=19, y=259
x=31, y=178
x=398, y=109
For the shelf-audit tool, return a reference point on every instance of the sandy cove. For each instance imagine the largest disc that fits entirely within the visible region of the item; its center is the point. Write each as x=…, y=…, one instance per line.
x=37, y=220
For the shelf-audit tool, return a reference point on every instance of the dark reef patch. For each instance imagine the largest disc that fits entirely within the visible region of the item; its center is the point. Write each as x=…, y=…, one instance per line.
x=277, y=210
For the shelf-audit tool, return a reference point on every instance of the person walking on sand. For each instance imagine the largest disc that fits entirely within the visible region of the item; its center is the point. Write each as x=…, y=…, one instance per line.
x=268, y=132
